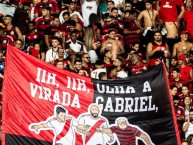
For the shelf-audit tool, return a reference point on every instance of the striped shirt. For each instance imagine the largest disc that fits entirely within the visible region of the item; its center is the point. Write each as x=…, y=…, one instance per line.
x=127, y=136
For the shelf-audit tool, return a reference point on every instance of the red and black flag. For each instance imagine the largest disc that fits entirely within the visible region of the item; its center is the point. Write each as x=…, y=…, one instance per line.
x=36, y=94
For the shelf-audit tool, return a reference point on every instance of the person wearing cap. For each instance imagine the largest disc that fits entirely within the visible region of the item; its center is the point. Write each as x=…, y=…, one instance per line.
x=150, y=17
x=184, y=46
x=186, y=71
x=168, y=14
x=39, y=6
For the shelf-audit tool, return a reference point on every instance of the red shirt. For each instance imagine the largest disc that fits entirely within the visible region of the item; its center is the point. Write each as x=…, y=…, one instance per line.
x=4, y=41
x=32, y=38
x=12, y=33
x=127, y=136
x=52, y=4
x=185, y=73
x=158, y=55
x=139, y=68
x=168, y=10
x=188, y=18
x=132, y=26
x=42, y=24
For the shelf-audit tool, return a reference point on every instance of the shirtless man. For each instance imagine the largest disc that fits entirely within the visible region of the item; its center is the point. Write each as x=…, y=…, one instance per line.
x=182, y=47
x=150, y=16
x=112, y=44
x=169, y=15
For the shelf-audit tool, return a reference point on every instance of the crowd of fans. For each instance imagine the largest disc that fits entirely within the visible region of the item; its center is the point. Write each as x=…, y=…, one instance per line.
x=108, y=39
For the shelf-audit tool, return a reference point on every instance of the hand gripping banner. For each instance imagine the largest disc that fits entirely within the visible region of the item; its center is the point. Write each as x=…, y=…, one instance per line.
x=44, y=105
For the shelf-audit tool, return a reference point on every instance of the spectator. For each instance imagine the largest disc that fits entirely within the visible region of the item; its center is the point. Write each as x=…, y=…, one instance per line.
x=137, y=66
x=150, y=17
x=5, y=39
x=43, y=22
x=175, y=80
x=103, y=76
x=60, y=64
x=52, y=53
x=179, y=112
x=184, y=46
x=21, y=18
x=157, y=51
x=185, y=93
x=91, y=43
x=54, y=30
x=185, y=70
x=86, y=64
x=190, y=139
x=88, y=7
x=188, y=18
x=32, y=36
x=36, y=51
x=187, y=106
x=74, y=48
x=54, y=9
x=112, y=74
x=172, y=19
x=173, y=64
x=77, y=66
x=98, y=68
x=188, y=125
x=173, y=90
x=82, y=72
x=131, y=30
x=18, y=44
x=114, y=45
x=71, y=10
x=10, y=29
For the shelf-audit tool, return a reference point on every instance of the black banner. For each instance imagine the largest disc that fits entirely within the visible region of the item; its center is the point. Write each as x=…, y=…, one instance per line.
x=143, y=99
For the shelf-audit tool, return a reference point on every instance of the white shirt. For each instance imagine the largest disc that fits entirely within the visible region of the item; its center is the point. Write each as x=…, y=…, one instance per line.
x=95, y=73
x=76, y=47
x=87, y=9
x=97, y=137
x=190, y=129
x=75, y=12
x=69, y=137
x=51, y=55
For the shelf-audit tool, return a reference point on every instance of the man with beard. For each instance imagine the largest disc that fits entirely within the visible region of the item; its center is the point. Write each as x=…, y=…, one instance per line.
x=126, y=133
x=157, y=51
x=188, y=126
x=92, y=121
x=137, y=66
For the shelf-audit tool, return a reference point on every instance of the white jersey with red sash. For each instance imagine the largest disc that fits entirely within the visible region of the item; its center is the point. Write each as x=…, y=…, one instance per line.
x=64, y=131
x=95, y=137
